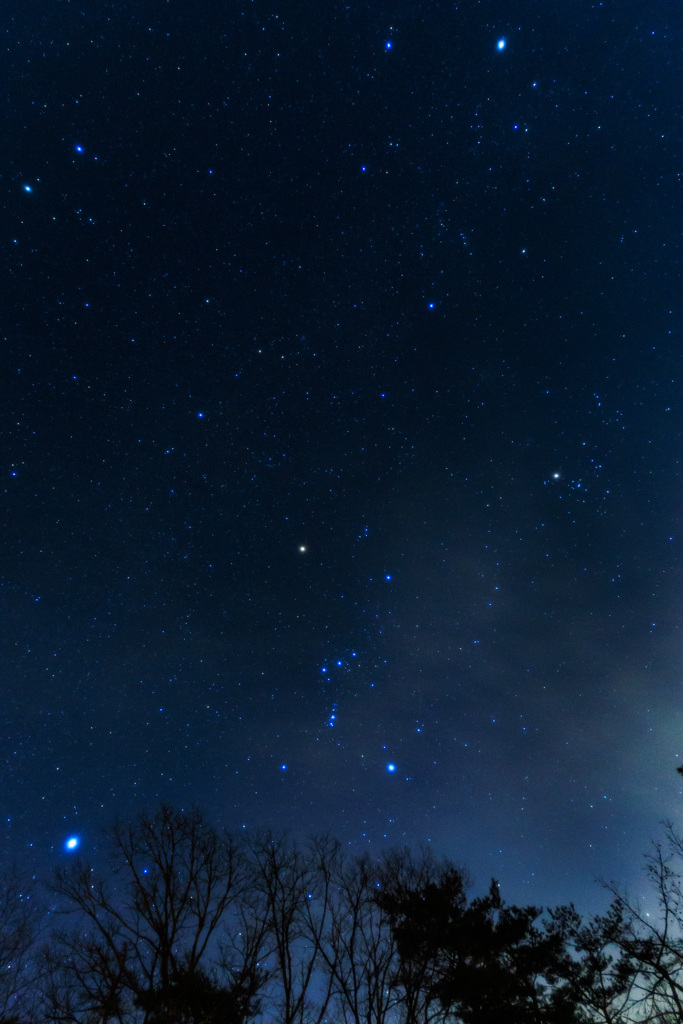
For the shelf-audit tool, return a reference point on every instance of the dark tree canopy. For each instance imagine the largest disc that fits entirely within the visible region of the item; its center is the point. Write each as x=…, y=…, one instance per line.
x=481, y=961
x=190, y=925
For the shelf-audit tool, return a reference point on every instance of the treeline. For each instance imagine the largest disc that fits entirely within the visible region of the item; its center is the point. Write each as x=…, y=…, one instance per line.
x=191, y=925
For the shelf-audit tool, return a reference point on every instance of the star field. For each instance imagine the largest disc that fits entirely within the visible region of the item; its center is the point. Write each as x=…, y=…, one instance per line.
x=341, y=419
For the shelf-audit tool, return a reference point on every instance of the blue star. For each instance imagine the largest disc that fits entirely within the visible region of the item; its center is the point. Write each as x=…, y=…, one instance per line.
x=72, y=843
x=391, y=767
x=27, y=188
x=501, y=44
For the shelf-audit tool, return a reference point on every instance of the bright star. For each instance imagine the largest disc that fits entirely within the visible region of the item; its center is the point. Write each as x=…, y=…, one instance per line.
x=72, y=843
x=303, y=549
x=27, y=188
x=501, y=44
x=391, y=767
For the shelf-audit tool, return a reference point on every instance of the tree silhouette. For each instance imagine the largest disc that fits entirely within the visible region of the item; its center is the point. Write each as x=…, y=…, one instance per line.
x=419, y=896
x=296, y=889
x=478, y=961
x=360, y=951
x=650, y=937
x=601, y=976
x=192, y=926
x=18, y=936
x=147, y=932
x=196, y=998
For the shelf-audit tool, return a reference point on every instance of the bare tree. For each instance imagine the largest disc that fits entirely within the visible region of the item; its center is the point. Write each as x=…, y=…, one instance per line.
x=19, y=921
x=360, y=952
x=297, y=888
x=651, y=936
x=84, y=980
x=147, y=940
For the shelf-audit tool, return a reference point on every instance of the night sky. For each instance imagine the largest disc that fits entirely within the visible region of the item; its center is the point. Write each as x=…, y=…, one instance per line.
x=341, y=426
